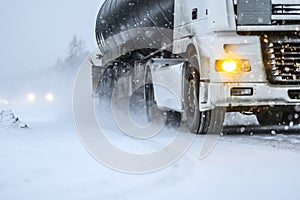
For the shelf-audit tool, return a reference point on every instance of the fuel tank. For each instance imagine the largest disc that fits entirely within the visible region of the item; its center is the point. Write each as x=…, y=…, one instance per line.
x=128, y=25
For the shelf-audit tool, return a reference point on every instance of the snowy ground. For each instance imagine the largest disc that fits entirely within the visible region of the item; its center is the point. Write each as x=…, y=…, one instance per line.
x=47, y=161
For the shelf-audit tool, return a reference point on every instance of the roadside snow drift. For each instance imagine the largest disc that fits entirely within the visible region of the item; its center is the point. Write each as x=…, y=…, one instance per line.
x=9, y=120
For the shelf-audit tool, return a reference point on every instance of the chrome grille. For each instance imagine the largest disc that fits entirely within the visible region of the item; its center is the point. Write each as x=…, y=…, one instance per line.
x=283, y=9
x=268, y=13
x=282, y=58
x=285, y=13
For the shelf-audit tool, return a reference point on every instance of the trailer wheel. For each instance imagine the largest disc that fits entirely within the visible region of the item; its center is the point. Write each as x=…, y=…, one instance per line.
x=199, y=122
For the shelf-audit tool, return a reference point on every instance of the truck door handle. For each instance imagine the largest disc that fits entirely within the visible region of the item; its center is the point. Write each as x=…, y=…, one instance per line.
x=195, y=14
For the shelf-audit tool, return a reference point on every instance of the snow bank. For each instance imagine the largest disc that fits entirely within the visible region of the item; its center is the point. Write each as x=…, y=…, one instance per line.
x=9, y=120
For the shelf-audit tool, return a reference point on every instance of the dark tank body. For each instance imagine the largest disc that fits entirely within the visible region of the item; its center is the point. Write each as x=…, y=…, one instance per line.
x=124, y=26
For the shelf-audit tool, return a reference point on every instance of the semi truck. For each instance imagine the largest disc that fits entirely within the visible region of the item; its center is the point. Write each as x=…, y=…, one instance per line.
x=202, y=58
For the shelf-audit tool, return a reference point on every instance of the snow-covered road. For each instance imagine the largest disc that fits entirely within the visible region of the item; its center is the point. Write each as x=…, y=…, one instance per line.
x=47, y=161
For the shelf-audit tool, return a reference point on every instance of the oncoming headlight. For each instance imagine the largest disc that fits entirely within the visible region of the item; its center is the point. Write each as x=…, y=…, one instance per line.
x=31, y=97
x=49, y=97
x=233, y=65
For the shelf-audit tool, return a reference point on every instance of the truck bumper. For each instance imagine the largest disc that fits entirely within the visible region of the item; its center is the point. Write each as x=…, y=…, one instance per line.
x=263, y=94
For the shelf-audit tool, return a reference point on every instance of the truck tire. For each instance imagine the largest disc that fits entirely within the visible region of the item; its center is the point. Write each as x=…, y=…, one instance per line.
x=278, y=116
x=208, y=122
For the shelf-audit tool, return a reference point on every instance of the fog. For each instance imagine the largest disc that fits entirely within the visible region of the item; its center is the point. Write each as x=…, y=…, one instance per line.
x=34, y=35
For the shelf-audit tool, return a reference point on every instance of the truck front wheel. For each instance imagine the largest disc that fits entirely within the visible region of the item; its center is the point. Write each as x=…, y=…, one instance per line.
x=208, y=122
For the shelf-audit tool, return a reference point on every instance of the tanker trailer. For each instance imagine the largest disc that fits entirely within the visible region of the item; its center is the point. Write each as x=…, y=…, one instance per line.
x=234, y=55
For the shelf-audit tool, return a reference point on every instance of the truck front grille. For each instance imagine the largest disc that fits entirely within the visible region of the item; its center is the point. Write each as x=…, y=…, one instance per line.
x=282, y=59
x=286, y=9
x=285, y=14
x=267, y=12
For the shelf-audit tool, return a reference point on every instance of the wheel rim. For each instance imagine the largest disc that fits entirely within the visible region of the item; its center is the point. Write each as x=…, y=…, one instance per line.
x=192, y=94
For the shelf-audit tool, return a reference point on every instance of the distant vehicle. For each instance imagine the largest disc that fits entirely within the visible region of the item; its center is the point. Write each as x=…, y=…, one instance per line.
x=213, y=56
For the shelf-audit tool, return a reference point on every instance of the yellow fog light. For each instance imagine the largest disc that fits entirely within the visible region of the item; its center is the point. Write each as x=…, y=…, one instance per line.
x=229, y=66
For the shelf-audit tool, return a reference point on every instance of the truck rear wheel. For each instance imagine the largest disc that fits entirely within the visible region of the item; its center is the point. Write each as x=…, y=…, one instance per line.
x=208, y=122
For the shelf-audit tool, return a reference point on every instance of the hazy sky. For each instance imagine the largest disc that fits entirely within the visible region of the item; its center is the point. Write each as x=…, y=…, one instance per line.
x=34, y=33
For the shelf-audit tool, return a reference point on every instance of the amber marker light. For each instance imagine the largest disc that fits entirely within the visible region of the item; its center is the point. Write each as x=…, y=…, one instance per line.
x=230, y=66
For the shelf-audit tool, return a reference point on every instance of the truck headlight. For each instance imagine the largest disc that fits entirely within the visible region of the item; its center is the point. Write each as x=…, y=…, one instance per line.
x=233, y=65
